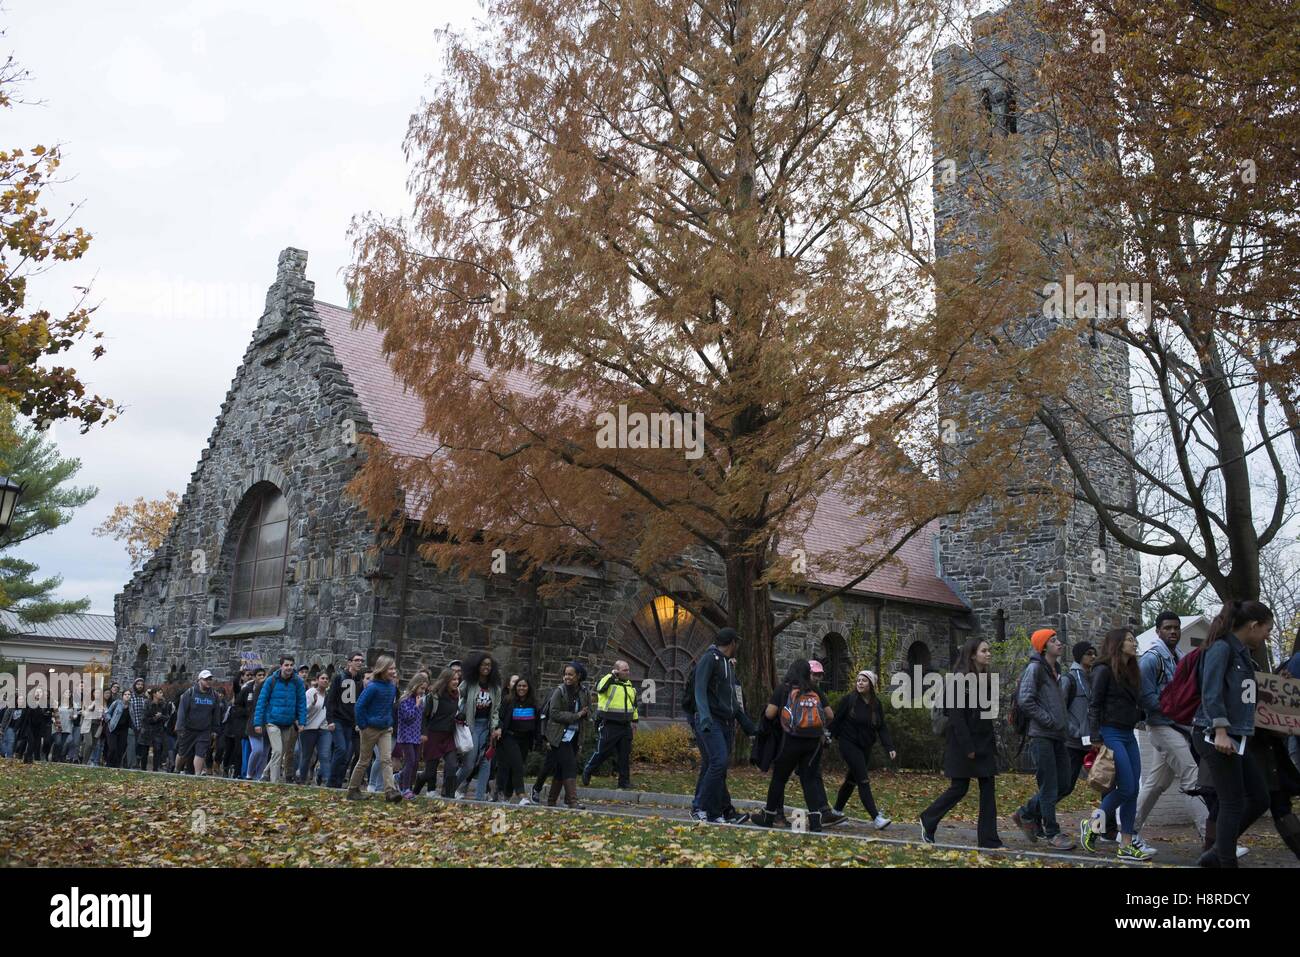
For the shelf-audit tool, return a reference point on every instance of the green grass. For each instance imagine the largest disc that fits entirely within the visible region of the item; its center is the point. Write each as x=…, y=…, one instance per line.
x=70, y=816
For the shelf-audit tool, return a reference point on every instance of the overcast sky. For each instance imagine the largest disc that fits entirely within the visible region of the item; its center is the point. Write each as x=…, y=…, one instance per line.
x=201, y=139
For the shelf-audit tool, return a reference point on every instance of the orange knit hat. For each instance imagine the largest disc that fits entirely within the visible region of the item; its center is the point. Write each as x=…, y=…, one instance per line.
x=1040, y=638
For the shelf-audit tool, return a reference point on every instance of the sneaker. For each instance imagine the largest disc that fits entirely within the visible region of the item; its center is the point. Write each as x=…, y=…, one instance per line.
x=1131, y=852
x=700, y=816
x=460, y=794
x=718, y=820
x=408, y=795
x=535, y=795
x=733, y=817
x=831, y=817
x=926, y=834
x=881, y=822
x=1061, y=842
x=355, y=794
x=1242, y=851
x=524, y=802
x=1087, y=836
x=1142, y=845
x=1029, y=827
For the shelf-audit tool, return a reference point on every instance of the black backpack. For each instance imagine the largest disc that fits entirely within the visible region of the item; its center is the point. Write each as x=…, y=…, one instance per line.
x=688, y=693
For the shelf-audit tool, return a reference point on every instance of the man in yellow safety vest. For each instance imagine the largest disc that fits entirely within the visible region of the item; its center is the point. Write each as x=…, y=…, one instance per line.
x=616, y=719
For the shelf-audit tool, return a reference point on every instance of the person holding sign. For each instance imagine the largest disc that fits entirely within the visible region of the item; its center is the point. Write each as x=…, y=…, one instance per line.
x=1225, y=719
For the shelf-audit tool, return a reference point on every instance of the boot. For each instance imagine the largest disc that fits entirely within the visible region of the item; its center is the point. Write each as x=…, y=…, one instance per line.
x=554, y=795
x=1211, y=832
x=571, y=794
x=814, y=822
x=765, y=818
x=354, y=794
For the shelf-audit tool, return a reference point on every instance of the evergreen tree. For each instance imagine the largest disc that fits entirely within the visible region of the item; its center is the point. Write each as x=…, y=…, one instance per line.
x=28, y=457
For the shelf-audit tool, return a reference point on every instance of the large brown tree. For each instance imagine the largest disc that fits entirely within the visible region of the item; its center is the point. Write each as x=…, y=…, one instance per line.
x=685, y=208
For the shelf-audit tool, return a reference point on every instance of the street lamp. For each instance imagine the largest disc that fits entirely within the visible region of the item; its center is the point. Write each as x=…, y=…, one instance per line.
x=10, y=493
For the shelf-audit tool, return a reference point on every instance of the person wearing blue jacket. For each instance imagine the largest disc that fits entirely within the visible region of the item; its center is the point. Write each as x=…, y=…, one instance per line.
x=1225, y=719
x=281, y=711
x=374, y=712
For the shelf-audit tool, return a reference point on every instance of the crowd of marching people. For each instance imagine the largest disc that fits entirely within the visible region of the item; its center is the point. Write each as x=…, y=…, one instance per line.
x=364, y=726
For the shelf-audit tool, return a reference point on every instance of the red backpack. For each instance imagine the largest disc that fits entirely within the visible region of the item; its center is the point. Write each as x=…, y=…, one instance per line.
x=1182, y=696
x=802, y=715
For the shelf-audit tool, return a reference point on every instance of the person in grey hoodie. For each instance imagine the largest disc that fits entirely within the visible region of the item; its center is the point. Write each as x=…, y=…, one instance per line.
x=1170, y=743
x=1076, y=685
x=1042, y=700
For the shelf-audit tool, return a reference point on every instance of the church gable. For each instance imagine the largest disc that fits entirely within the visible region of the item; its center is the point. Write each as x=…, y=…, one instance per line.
x=266, y=550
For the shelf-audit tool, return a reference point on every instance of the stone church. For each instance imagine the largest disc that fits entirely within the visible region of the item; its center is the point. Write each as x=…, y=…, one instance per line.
x=268, y=554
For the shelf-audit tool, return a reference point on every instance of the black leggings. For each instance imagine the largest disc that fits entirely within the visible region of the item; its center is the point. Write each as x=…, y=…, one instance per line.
x=450, y=771
x=1242, y=792
x=856, y=759
x=987, y=833
x=510, y=764
x=795, y=753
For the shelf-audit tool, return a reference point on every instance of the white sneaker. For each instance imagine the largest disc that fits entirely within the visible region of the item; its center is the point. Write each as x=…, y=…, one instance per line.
x=1242, y=850
x=881, y=822
x=1143, y=845
x=524, y=802
x=460, y=794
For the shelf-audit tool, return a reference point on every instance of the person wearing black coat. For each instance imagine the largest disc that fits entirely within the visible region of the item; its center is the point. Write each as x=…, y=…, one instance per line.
x=970, y=751
x=38, y=722
x=858, y=722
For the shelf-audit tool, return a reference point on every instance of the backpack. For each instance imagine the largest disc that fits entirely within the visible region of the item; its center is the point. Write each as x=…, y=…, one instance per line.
x=1017, y=717
x=1182, y=696
x=938, y=720
x=802, y=716
x=688, y=693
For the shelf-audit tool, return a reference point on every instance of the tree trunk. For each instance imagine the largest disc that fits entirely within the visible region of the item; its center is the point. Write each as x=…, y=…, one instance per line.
x=751, y=615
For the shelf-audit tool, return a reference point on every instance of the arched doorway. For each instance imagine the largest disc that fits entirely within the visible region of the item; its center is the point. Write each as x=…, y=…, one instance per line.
x=834, y=656
x=660, y=643
x=918, y=653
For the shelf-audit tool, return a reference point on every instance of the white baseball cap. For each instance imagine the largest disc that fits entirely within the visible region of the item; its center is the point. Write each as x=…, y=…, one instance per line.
x=205, y=673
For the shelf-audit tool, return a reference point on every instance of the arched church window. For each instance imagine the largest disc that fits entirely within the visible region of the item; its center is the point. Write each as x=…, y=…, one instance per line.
x=660, y=643
x=834, y=657
x=257, y=590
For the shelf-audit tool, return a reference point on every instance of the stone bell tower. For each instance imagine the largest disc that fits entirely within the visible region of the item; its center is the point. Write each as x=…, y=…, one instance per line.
x=1065, y=574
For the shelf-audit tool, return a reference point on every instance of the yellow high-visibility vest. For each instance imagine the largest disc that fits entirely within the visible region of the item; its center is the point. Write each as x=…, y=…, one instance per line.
x=616, y=697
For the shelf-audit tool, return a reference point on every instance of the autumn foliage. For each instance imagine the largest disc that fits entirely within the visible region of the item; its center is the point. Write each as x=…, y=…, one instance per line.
x=142, y=524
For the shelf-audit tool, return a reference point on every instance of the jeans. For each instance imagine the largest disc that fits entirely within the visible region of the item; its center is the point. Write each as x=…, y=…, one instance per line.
x=72, y=749
x=1052, y=768
x=482, y=733
x=714, y=757
x=316, y=742
x=1173, y=763
x=256, y=756
x=1242, y=792
x=342, y=747
x=1122, y=799
x=7, y=742
x=376, y=770
x=60, y=746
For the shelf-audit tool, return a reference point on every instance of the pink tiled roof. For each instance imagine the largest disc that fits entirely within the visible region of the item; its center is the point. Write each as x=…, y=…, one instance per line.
x=834, y=529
